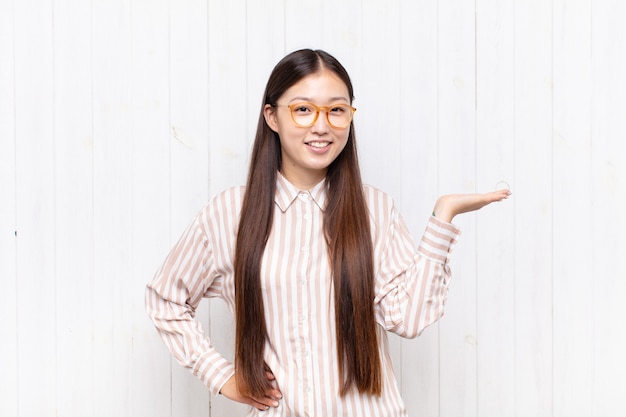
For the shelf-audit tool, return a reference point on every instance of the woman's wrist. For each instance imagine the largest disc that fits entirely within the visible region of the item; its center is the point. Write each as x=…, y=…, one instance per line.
x=442, y=211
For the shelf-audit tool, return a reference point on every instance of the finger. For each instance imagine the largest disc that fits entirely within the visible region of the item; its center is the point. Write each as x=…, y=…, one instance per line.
x=500, y=195
x=265, y=403
x=276, y=394
x=259, y=406
x=505, y=193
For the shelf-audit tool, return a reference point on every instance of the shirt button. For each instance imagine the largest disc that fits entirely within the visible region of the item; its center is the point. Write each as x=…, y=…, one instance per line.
x=307, y=217
x=303, y=196
x=305, y=353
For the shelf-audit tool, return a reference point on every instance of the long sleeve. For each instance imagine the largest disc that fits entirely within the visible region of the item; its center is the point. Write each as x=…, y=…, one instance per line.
x=187, y=275
x=412, y=285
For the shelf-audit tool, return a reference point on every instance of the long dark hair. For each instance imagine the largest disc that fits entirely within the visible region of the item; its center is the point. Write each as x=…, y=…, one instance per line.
x=348, y=238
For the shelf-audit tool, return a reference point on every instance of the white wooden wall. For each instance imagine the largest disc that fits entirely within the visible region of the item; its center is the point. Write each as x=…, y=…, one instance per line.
x=120, y=118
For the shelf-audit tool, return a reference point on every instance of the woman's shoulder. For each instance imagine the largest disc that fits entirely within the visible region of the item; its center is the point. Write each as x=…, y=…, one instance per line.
x=380, y=203
x=376, y=196
x=235, y=192
x=226, y=203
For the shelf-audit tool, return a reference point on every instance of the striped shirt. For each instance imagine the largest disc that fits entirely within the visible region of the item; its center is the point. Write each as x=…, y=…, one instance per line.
x=411, y=286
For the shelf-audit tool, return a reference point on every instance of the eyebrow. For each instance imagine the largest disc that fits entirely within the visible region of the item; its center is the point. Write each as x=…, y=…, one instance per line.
x=332, y=99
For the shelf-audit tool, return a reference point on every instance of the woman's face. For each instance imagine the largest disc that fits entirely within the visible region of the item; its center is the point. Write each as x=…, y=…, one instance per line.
x=308, y=151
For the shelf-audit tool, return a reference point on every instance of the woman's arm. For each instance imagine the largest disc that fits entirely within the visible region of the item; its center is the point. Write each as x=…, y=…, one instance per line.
x=412, y=286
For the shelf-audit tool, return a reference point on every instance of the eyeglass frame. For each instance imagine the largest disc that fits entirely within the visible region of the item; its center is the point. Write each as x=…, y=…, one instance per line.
x=318, y=109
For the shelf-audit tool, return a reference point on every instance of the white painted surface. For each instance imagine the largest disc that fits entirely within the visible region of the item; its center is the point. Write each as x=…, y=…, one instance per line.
x=120, y=118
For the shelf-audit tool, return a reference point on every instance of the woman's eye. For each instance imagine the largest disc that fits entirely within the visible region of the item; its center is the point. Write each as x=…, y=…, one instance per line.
x=337, y=110
x=302, y=109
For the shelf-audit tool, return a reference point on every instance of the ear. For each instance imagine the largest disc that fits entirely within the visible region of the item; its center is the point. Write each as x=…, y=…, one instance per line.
x=269, y=112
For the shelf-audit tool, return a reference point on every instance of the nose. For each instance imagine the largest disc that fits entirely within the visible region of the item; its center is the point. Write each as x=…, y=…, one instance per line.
x=321, y=125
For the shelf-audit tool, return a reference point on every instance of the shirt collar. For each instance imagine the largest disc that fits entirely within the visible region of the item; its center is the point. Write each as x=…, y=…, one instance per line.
x=286, y=193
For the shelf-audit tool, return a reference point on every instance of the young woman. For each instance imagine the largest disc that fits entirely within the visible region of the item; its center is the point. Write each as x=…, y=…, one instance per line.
x=316, y=266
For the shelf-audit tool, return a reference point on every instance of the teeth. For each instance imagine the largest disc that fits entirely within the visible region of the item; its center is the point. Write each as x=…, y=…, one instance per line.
x=318, y=144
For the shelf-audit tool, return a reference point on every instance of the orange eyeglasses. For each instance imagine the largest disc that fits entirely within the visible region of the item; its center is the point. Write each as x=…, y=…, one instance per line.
x=305, y=114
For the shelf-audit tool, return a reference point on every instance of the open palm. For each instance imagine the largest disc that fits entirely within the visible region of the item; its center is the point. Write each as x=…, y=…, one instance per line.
x=450, y=205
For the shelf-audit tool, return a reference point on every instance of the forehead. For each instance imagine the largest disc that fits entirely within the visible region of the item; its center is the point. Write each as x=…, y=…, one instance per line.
x=322, y=86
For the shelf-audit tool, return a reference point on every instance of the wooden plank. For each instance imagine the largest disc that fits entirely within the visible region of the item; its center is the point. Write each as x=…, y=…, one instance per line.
x=456, y=170
x=112, y=138
x=417, y=105
x=188, y=59
x=343, y=33
x=227, y=89
x=150, y=198
x=608, y=170
x=35, y=205
x=495, y=286
x=532, y=199
x=228, y=150
x=73, y=198
x=8, y=226
x=573, y=306
x=303, y=21
x=379, y=142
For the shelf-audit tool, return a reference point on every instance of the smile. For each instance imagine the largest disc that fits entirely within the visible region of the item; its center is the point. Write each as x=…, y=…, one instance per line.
x=319, y=144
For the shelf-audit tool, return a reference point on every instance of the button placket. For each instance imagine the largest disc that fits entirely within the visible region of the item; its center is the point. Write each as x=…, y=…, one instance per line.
x=305, y=204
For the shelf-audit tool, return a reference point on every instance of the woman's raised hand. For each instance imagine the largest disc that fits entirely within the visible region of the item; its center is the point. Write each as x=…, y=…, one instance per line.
x=450, y=205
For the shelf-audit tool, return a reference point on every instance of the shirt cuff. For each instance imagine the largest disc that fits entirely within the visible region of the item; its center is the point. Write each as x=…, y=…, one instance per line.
x=214, y=372
x=438, y=240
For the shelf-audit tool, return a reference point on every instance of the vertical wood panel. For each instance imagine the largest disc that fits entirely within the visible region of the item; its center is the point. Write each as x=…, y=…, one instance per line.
x=495, y=295
x=35, y=182
x=8, y=227
x=73, y=205
x=113, y=303
x=228, y=152
x=189, y=161
x=343, y=32
x=151, y=197
x=379, y=121
x=608, y=170
x=418, y=366
x=532, y=198
x=456, y=151
x=303, y=24
x=573, y=307
x=227, y=92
